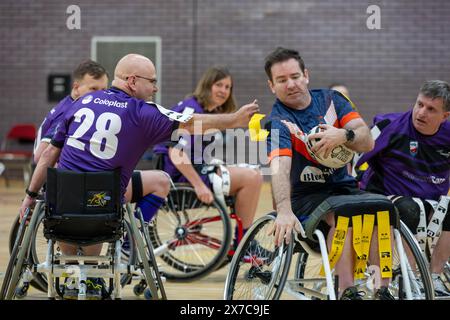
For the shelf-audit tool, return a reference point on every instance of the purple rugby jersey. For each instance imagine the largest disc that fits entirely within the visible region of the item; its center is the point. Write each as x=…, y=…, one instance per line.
x=405, y=162
x=190, y=143
x=50, y=123
x=108, y=129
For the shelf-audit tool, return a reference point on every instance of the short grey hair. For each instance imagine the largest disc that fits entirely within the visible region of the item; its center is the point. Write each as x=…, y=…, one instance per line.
x=437, y=89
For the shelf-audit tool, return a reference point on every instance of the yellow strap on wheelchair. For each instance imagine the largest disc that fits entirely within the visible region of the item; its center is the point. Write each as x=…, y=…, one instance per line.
x=361, y=242
x=338, y=242
x=384, y=244
x=254, y=126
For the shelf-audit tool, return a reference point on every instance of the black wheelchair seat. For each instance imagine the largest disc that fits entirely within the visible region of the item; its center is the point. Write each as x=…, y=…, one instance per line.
x=83, y=208
x=351, y=205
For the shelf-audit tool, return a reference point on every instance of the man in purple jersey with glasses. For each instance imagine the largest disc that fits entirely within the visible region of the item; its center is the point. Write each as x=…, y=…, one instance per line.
x=111, y=129
x=148, y=188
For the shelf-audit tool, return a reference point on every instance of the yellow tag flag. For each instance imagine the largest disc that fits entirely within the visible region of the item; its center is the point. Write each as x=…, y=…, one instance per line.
x=254, y=126
x=338, y=242
x=384, y=244
x=361, y=242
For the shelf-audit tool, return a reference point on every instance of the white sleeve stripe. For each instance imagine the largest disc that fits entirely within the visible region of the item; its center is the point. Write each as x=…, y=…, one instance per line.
x=375, y=131
x=331, y=116
x=180, y=117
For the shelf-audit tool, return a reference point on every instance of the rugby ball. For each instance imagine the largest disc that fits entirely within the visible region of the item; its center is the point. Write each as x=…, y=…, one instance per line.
x=338, y=157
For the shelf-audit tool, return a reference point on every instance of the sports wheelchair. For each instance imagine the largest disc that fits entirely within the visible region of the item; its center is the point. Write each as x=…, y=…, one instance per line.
x=81, y=209
x=429, y=228
x=261, y=271
x=193, y=238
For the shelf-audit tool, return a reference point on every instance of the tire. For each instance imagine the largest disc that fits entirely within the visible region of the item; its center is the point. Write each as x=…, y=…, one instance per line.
x=39, y=246
x=422, y=273
x=38, y=249
x=258, y=269
x=198, y=235
x=19, y=252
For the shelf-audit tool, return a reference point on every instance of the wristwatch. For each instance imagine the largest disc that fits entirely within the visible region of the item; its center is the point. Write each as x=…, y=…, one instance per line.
x=349, y=135
x=31, y=194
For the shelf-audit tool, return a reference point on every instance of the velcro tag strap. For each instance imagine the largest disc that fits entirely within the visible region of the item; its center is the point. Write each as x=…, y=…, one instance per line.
x=384, y=244
x=221, y=184
x=435, y=224
x=422, y=227
x=338, y=242
x=362, y=235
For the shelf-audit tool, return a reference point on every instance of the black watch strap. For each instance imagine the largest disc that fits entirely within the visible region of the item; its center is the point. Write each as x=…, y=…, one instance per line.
x=350, y=135
x=31, y=194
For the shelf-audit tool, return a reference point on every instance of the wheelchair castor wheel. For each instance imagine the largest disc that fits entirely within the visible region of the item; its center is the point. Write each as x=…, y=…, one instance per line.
x=138, y=289
x=21, y=292
x=148, y=294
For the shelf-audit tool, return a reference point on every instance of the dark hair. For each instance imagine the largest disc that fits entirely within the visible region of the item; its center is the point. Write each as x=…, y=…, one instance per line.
x=89, y=67
x=437, y=89
x=281, y=54
x=203, y=90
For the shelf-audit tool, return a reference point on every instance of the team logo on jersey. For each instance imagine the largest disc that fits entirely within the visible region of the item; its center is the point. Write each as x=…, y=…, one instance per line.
x=87, y=99
x=413, y=146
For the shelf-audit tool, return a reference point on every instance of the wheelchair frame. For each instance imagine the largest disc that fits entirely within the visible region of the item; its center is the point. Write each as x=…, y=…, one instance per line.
x=20, y=269
x=279, y=261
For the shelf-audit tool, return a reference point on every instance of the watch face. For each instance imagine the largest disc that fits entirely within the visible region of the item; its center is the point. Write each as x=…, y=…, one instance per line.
x=350, y=135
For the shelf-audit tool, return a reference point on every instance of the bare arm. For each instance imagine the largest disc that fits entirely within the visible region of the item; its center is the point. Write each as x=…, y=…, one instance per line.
x=182, y=162
x=48, y=159
x=238, y=119
x=281, y=187
x=332, y=137
x=37, y=154
x=363, y=139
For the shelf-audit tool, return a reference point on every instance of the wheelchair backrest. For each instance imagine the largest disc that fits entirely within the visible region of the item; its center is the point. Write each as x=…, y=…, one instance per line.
x=83, y=207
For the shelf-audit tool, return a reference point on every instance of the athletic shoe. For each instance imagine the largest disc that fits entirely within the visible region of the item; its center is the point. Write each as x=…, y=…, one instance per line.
x=384, y=294
x=352, y=293
x=94, y=288
x=70, y=290
x=440, y=289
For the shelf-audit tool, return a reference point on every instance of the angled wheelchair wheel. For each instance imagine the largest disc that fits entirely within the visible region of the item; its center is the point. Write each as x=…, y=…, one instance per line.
x=258, y=270
x=18, y=262
x=419, y=274
x=190, y=237
x=39, y=247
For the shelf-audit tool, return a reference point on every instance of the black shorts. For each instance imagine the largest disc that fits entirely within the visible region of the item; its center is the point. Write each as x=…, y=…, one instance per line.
x=304, y=205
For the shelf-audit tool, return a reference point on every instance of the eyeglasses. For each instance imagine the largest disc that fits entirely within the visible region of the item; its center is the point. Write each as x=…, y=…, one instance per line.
x=153, y=81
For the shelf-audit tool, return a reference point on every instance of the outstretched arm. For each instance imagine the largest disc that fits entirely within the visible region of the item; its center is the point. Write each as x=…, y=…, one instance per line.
x=202, y=122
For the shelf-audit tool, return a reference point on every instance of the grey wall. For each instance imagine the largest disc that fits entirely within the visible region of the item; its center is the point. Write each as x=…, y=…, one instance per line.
x=383, y=68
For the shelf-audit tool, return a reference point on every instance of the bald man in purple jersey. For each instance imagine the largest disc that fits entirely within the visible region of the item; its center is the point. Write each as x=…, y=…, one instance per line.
x=148, y=188
x=111, y=129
